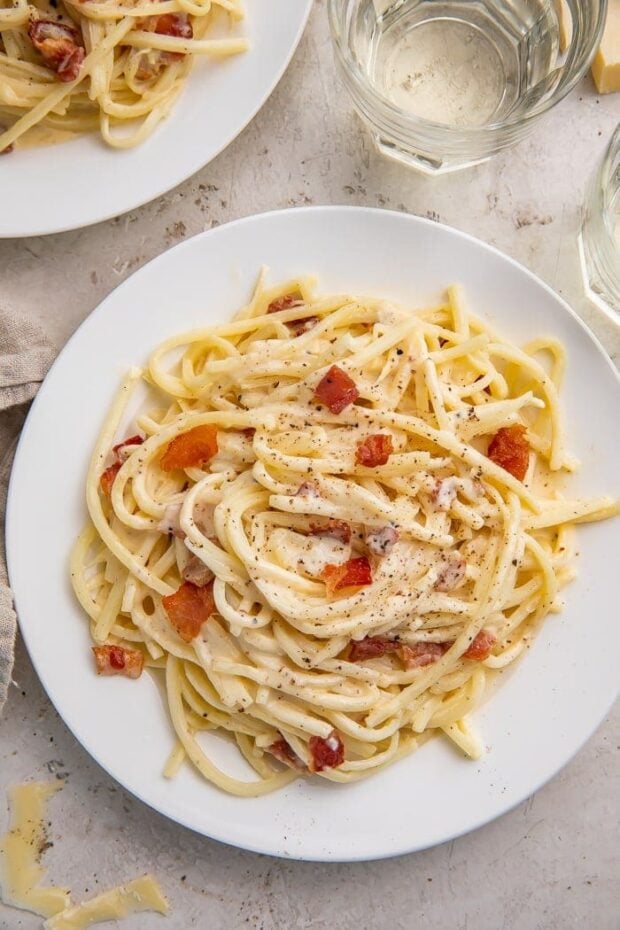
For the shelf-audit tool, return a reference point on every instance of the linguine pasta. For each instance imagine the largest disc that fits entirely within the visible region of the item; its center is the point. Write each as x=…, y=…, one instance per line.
x=339, y=520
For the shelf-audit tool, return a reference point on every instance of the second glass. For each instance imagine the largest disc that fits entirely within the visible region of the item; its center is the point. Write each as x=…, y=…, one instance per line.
x=599, y=238
x=444, y=84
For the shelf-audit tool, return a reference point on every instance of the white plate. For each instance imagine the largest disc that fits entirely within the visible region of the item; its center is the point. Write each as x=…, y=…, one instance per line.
x=535, y=721
x=54, y=188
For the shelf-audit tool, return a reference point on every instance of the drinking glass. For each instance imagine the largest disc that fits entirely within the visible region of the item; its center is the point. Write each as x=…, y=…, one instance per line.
x=444, y=84
x=600, y=233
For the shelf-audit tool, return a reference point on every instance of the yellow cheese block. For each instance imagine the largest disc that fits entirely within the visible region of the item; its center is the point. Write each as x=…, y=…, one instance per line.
x=141, y=894
x=565, y=24
x=21, y=849
x=606, y=64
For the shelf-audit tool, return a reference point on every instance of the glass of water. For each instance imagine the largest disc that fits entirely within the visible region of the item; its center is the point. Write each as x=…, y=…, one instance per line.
x=444, y=84
x=600, y=233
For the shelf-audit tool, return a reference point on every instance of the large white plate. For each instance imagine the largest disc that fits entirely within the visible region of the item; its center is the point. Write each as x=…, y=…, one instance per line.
x=534, y=722
x=55, y=188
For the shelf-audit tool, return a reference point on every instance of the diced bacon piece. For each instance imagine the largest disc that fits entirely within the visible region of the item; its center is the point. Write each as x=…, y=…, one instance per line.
x=117, y=660
x=308, y=489
x=69, y=68
x=452, y=573
x=481, y=646
x=282, y=751
x=169, y=523
x=188, y=608
x=152, y=63
x=374, y=450
x=299, y=327
x=382, y=541
x=59, y=45
x=371, y=647
x=444, y=493
x=336, y=390
x=108, y=477
x=421, y=654
x=285, y=303
x=325, y=753
x=191, y=449
x=510, y=450
x=123, y=450
x=170, y=24
x=334, y=529
x=197, y=572
x=355, y=573
x=249, y=432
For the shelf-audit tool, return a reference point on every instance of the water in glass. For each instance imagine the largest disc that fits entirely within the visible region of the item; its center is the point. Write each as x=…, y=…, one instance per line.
x=461, y=63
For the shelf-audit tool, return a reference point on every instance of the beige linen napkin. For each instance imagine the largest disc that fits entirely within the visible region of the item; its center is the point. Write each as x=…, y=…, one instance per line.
x=25, y=356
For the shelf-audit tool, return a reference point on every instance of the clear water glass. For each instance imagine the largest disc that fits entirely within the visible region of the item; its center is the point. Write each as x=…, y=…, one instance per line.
x=600, y=233
x=444, y=84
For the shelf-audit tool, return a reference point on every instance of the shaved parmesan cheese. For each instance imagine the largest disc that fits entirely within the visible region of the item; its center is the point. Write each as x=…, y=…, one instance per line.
x=20, y=850
x=444, y=493
x=21, y=872
x=234, y=449
x=169, y=523
x=389, y=314
x=141, y=894
x=310, y=554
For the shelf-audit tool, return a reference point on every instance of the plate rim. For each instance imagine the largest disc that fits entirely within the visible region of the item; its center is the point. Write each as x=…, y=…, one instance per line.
x=564, y=756
x=160, y=191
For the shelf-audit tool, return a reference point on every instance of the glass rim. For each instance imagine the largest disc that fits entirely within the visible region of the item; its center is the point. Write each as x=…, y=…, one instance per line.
x=601, y=186
x=473, y=133
x=612, y=151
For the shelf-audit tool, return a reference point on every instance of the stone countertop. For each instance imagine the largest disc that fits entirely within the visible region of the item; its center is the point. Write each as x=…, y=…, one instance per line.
x=550, y=864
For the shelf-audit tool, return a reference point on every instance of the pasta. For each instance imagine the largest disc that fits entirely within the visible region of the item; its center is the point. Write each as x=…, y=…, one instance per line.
x=75, y=66
x=339, y=523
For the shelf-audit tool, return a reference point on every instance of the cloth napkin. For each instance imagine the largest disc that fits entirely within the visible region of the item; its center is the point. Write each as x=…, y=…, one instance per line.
x=25, y=356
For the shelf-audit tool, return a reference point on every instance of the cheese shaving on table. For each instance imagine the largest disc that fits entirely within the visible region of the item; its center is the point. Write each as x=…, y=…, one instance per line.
x=21, y=872
x=21, y=848
x=141, y=894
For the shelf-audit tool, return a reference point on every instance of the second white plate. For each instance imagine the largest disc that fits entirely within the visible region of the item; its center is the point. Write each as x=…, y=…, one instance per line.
x=536, y=719
x=55, y=188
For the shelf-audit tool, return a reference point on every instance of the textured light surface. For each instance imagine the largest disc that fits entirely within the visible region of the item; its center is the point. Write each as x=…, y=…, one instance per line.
x=548, y=863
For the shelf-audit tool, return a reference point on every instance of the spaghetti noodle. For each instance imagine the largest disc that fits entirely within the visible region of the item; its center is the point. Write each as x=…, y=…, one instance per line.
x=340, y=523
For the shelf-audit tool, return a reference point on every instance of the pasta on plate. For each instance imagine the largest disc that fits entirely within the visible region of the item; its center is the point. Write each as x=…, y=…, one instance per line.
x=337, y=523
x=75, y=66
